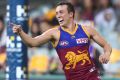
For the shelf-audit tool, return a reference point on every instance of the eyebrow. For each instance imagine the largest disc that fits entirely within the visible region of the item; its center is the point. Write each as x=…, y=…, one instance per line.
x=59, y=10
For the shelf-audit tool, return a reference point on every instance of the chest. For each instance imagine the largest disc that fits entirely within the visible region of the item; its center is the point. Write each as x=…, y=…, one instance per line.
x=77, y=39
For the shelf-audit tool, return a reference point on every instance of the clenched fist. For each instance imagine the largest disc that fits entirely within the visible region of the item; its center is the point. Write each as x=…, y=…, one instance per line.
x=104, y=58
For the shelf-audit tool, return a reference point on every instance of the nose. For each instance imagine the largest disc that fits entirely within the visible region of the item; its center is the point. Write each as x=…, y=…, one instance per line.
x=58, y=15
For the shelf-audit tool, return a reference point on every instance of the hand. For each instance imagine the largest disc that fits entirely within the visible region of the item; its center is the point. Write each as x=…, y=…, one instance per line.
x=16, y=28
x=104, y=58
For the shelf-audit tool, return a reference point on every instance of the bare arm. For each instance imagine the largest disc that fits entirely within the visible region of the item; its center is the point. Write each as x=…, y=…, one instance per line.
x=32, y=42
x=101, y=41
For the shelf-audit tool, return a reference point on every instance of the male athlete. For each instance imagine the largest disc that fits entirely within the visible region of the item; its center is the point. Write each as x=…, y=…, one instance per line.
x=71, y=41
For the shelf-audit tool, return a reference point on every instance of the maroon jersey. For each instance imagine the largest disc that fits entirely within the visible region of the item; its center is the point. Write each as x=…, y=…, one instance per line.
x=73, y=51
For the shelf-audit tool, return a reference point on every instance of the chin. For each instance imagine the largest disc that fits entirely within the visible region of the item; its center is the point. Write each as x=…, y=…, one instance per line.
x=62, y=24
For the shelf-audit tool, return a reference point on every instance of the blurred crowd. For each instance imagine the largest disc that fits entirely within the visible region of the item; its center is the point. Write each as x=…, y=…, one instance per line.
x=2, y=44
x=104, y=15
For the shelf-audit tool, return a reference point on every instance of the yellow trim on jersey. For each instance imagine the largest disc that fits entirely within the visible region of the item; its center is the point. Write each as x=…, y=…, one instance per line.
x=73, y=32
x=58, y=40
x=54, y=44
x=84, y=29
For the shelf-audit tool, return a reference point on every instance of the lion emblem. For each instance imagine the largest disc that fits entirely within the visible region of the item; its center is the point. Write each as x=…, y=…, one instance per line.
x=74, y=59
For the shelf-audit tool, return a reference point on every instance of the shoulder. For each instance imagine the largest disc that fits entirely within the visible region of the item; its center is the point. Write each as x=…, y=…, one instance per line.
x=54, y=32
x=90, y=30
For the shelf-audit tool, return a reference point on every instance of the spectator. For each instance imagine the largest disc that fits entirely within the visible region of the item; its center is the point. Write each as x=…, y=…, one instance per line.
x=35, y=28
x=116, y=4
x=106, y=22
x=75, y=3
x=2, y=43
x=87, y=13
x=102, y=5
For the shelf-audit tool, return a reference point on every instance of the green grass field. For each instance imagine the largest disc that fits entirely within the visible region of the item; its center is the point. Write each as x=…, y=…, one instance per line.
x=52, y=77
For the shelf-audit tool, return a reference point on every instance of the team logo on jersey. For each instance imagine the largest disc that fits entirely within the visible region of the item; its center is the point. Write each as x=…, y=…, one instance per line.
x=64, y=43
x=74, y=59
x=82, y=40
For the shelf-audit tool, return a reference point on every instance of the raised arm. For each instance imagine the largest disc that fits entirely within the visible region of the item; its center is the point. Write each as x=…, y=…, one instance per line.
x=104, y=58
x=36, y=41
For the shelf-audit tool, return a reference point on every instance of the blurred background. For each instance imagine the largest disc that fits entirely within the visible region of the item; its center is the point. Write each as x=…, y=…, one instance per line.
x=43, y=62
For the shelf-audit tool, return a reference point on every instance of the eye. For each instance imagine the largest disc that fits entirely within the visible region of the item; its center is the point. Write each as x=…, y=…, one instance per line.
x=61, y=11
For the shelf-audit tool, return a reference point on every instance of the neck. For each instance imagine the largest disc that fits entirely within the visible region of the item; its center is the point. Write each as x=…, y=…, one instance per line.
x=71, y=26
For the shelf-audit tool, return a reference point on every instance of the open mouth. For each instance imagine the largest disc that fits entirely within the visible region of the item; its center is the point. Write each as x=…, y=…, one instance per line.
x=60, y=21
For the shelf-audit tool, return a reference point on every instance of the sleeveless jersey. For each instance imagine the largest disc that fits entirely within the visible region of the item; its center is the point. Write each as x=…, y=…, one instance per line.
x=73, y=51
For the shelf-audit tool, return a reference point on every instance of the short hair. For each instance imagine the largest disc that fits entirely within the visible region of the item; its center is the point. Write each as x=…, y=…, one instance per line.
x=70, y=7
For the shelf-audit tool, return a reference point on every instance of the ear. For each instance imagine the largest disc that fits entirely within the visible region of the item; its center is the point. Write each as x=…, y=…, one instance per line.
x=71, y=14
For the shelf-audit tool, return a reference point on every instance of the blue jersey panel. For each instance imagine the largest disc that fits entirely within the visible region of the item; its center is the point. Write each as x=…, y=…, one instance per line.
x=79, y=38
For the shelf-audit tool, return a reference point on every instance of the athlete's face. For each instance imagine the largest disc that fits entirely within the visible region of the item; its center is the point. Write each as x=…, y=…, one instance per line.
x=63, y=16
